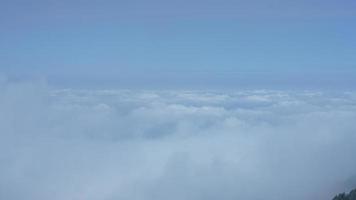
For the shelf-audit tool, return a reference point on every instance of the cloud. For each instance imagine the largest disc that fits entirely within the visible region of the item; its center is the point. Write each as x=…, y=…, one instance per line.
x=141, y=144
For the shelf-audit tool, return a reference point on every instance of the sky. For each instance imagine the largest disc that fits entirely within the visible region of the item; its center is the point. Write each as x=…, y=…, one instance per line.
x=181, y=44
x=177, y=99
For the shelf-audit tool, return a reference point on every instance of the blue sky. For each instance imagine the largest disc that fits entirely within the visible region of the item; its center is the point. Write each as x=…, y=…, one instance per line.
x=195, y=43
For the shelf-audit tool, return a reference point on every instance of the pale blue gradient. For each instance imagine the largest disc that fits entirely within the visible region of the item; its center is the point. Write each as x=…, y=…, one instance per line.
x=175, y=43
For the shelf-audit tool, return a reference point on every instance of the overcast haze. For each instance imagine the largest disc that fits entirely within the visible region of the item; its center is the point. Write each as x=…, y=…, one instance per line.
x=177, y=99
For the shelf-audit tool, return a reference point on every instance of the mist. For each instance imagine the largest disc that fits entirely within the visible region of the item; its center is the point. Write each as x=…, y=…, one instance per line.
x=174, y=144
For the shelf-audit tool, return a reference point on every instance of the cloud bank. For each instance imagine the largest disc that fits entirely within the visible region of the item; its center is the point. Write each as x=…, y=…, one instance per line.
x=158, y=145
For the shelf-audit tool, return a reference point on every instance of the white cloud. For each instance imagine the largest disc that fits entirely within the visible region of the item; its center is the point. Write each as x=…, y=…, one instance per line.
x=125, y=144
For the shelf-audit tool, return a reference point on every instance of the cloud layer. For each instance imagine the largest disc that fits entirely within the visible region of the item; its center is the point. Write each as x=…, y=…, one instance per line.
x=143, y=145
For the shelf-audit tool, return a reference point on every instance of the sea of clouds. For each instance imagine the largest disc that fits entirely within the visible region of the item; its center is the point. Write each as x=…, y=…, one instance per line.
x=175, y=145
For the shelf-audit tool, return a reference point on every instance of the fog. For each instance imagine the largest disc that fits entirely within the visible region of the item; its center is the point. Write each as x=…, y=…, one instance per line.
x=66, y=144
